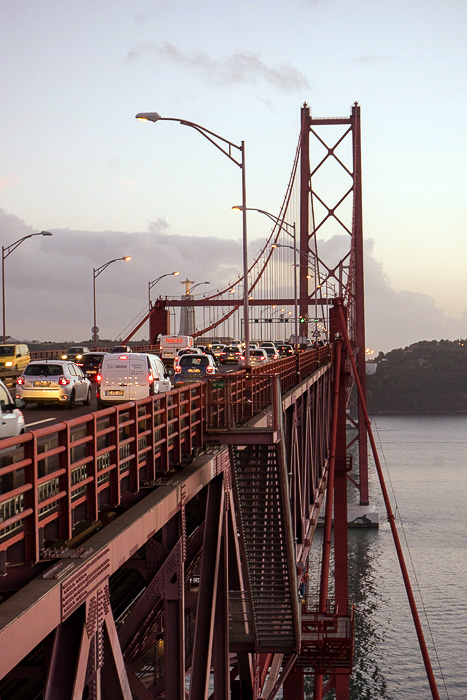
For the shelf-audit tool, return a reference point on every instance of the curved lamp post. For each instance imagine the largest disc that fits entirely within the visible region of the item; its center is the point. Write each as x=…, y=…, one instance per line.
x=284, y=226
x=197, y=285
x=154, y=282
x=95, y=273
x=6, y=251
x=228, y=148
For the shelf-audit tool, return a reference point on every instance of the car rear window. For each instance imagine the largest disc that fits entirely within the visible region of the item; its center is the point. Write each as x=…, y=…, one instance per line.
x=43, y=370
x=194, y=361
x=257, y=353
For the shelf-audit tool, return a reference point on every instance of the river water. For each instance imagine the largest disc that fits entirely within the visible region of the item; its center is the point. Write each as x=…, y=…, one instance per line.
x=424, y=459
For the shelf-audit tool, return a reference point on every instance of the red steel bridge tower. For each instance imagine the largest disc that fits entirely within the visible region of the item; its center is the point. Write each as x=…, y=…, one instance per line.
x=160, y=548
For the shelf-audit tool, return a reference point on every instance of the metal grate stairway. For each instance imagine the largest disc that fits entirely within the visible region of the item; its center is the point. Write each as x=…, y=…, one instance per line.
x=263, y=505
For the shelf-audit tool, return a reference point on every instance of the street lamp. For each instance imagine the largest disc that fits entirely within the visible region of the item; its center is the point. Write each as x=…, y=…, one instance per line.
x=154, y=282
x=226, y=147
x=197, y=285
x=95, y=273
x=284, y=226
x=6, y=251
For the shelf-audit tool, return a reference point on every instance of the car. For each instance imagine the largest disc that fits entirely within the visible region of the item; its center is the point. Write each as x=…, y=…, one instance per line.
x=120, y=348
x=216, y=349
x=258, y=356
x=268, y=344
x=285, y=350
x=11, y=417
x=194, y=368
x=90, y=363
x=185, y=351
x=13, y=358
x=53, y=381
x=230, y=353
x=131, y=376
x=271, y=352
x=75, y=353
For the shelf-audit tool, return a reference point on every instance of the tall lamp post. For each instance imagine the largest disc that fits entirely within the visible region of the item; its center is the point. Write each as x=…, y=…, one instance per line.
x=6, y=251
x=95, y=273
x=285, y=226
x=197, y=285
x=226, y=147
x=154, y=282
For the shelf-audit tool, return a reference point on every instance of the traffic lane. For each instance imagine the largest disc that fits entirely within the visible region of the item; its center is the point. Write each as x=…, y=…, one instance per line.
x=40, y=416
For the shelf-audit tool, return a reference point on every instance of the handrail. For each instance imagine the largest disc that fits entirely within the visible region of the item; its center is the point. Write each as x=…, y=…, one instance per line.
x=77, y=469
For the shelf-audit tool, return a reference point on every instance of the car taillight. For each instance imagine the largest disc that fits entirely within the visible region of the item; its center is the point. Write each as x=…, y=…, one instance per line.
x=63, y=381
x=209, y=370
x=20, y=381
x=98, y=377
x=177, y=369
x=242, y=357
x=262, y=357
x=150, y=378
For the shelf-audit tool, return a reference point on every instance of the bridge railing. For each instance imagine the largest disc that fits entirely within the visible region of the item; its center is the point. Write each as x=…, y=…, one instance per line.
x=55, y=477
x=234, y=398
x=82, y=470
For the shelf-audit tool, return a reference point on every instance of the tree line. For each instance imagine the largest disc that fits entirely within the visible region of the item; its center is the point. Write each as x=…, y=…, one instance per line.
x=426, y=377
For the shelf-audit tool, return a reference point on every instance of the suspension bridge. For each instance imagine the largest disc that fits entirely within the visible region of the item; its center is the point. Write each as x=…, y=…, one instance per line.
x=160, y=549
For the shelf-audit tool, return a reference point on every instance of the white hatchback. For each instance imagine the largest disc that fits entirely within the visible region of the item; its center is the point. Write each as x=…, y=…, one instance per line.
x=53, y=381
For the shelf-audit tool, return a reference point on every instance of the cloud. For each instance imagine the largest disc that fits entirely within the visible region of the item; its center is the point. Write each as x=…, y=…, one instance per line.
x=396, y=319
x=49, y=283
x=159, y=225
x=10, y=180
x=243, y=67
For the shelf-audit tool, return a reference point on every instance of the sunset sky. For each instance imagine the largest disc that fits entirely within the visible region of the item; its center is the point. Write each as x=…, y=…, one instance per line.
x=74, y=161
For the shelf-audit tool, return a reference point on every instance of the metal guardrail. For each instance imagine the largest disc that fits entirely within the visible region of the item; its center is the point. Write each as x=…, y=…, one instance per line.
x=70, y=472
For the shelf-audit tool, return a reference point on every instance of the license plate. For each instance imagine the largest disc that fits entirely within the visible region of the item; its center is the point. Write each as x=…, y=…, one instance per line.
x=194, y=370
x=41, y=383
x=114, y=392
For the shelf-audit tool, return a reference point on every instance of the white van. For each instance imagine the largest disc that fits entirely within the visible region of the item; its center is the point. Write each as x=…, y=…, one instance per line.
x=129, y=377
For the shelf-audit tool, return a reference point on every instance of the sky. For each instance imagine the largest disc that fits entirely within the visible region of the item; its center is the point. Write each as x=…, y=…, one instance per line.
x=74, y=160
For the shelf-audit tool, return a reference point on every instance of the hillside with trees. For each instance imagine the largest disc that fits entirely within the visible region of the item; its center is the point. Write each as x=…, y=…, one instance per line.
x=426, y=377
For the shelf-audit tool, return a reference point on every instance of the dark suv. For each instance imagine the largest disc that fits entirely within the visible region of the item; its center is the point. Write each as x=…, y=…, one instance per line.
x=75, y=353
x=90, y=363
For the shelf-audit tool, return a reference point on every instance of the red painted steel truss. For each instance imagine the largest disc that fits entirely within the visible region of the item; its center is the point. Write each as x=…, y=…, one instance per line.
x=195, y=585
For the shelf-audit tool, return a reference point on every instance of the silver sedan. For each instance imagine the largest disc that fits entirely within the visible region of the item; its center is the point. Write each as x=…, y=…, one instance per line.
x=53, y=381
